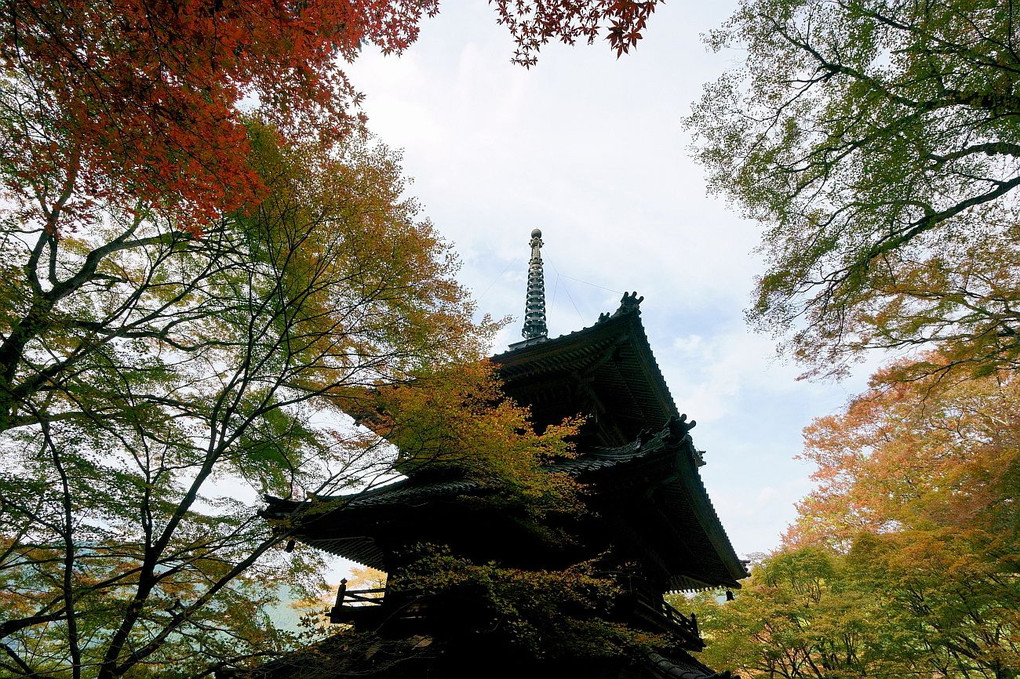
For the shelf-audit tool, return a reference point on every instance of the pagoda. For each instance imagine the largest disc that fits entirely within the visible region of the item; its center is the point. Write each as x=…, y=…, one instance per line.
x=648, y=524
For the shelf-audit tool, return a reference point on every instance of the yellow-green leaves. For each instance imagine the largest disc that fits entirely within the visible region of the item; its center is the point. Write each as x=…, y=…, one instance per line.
x=905, y=557
x=456, y=418
x=874, y=139
x=156, y=381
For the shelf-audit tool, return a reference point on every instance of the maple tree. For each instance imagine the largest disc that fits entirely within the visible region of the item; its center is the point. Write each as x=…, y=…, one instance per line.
x=904, y=560
x=918, y=483
x=534, y=24
x=801, y=615
x=457, y=419
x=129, y=101
x=536, y=614
x=137, y=101
x=204, y=264
x=878, y=142
x=170, y=372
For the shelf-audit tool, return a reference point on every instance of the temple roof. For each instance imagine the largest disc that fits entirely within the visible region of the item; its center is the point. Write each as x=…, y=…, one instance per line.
x=652, y=484
x=605, y=372
x=635, y=451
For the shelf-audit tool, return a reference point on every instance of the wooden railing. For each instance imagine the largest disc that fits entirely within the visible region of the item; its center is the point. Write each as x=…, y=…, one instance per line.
x=657, y=611
x=675, y=617
x=365, y=606
x=353, y=598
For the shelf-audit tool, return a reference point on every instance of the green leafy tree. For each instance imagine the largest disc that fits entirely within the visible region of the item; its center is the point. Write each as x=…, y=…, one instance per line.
x=879, y=142
x=158, y=381
x=564, y=613
x=904, y=560
x=190, y=302
x=918, y=484
x=813, y=612
x=800, y=615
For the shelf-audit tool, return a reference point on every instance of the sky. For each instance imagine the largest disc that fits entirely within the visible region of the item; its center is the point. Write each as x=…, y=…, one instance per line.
x=592, y=150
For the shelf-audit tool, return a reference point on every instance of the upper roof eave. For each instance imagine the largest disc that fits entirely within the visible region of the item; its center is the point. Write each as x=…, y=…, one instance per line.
x=575, y=350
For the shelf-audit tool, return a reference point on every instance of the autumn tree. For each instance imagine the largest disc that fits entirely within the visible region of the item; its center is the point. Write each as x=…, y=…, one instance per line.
x=904, y=560
x=204, y=263
x=918, y=484
x=137, y=101
x=534, y=24
x=801, y=615
x=879, y=144
x=155, y=374
x=456, y=419
x=132, y=100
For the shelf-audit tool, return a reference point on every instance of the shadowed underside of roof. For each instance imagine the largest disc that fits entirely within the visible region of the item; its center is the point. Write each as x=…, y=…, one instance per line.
x=652, y=483
x=606, y=373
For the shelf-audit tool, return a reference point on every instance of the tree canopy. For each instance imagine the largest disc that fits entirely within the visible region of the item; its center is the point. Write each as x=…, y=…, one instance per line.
x=205, y=264
x=879, y=142
x=134, y=100
x=152, y=376
x=904, y=560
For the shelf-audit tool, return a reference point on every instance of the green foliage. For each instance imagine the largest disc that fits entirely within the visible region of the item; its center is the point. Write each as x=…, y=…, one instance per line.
x=904, y=561
x=154, y=382
x=538, y=614
x=801, y=614
x=878, y=141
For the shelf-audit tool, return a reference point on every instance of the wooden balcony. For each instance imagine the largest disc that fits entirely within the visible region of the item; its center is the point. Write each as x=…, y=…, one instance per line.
x=651, y=609
x=372, y=607
x=357, y=606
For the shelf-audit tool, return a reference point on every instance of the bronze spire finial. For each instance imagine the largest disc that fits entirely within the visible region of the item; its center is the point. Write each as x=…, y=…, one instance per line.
x=534, y=306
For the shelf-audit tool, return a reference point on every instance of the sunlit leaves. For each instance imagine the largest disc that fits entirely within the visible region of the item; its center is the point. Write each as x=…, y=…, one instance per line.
x=157, y=383
x=533, y=24
x=128, y=100
x=879, y=143
x=904, y=559
x=802, y=613
x=917, y=486
x=455, y=418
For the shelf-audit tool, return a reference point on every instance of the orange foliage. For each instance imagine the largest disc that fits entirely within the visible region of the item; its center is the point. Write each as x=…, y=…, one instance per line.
x=904, y=560
x=930, y=468
x=140, y=100
x=456, y=419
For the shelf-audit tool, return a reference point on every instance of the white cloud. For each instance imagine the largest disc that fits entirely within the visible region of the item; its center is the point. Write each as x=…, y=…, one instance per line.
x=590, y=149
